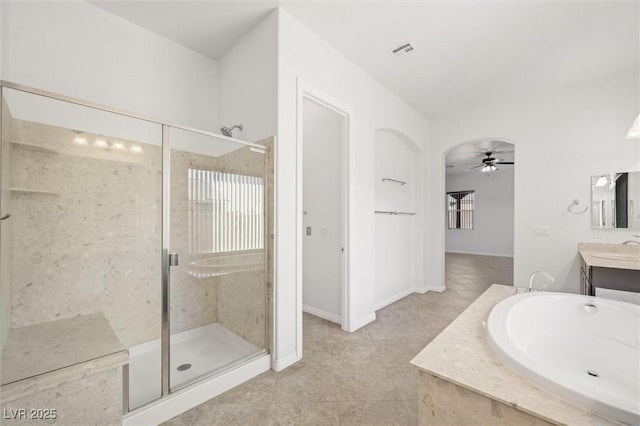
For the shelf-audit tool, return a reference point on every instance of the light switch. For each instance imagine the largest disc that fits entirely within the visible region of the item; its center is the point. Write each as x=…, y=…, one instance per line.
x=308, y=230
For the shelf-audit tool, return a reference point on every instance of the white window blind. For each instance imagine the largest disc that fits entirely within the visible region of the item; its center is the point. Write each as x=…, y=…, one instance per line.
x=225, y=212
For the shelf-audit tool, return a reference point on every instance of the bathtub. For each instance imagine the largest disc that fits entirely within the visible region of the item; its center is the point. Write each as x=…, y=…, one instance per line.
x=580, y=348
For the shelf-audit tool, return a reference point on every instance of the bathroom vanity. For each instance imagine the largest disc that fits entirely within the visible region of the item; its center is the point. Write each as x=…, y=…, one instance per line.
x=463, y=382
x=606, y=268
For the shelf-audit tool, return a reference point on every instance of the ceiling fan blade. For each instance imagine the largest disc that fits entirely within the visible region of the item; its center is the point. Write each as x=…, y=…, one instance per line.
x=492, y=152
x=481, y=165
x=506, y=162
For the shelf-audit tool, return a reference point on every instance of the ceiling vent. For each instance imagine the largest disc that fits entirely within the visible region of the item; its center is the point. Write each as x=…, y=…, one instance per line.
x=402, y=51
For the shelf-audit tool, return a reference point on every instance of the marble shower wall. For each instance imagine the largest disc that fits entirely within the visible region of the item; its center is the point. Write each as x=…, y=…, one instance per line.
x=236, y=300
x=86, y=230
x=87, y=237
x=245, y=299
x=192, y=298
x=242, y=297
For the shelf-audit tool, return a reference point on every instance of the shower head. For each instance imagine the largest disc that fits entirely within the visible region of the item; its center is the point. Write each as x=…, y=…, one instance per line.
x=228, y=131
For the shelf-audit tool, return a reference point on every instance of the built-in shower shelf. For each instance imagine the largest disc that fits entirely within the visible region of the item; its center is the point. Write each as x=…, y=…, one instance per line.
x=32, y=147
x=32, y=191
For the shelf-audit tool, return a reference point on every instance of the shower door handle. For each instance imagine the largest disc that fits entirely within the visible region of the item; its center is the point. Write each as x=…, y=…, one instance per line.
x=6, y=216
x=173, y=259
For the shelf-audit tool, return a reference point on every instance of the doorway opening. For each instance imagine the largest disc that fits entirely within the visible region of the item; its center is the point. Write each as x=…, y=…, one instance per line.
x=479, y=216
x=323, y=140
x=324, y=133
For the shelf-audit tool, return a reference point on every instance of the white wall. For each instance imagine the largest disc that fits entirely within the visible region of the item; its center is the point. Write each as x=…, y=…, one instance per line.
x=302, y=54
x=561, y=140
x=3, y=42
x=77, y=49
x=248, y=76
x=492, y=232
x=395, y=256
x=323, y=138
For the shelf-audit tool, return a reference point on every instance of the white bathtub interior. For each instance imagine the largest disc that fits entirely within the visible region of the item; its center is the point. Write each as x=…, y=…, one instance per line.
x=193, y=353
x=583, y=349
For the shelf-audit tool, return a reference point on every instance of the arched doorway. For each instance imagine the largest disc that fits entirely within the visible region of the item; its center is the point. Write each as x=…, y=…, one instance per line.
x=479, y=215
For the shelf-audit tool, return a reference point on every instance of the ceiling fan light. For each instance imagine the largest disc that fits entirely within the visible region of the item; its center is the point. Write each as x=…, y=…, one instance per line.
x=602, y=181
x=493, y=168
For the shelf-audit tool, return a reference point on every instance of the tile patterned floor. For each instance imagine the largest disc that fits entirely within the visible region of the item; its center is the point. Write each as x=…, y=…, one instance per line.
x=361, y=378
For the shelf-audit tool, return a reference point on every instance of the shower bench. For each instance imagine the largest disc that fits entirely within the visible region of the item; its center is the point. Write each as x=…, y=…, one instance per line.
x=48, y=375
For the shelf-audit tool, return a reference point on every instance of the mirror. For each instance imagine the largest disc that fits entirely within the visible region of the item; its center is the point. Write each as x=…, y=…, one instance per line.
x=615, y=200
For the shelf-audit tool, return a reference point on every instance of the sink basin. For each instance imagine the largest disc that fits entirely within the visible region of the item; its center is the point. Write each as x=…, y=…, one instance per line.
x=617, y=256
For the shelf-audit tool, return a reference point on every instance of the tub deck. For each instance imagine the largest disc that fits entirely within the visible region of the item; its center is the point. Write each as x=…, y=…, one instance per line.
x=461, y=356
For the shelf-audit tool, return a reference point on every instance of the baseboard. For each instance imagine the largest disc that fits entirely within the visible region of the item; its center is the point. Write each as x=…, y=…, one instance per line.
x=282, y=363
x=479, y=254
x=363, y=321
x=394, y=298
x=322, y=314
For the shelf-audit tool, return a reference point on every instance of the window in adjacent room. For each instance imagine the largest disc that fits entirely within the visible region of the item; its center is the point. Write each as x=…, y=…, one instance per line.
x=460, y=209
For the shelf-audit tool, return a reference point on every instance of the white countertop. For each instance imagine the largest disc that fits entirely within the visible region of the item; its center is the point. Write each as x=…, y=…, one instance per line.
x=461, y=355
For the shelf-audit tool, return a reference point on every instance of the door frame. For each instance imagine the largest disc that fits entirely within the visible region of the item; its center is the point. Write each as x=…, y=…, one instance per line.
x=307, y=92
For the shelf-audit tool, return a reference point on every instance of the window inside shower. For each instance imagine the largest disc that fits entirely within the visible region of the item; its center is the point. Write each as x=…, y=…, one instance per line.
x=225, y=212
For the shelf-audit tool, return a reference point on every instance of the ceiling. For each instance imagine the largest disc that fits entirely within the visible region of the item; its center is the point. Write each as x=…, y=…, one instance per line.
x=466, y=53
x=471, y=53
x=463, y=157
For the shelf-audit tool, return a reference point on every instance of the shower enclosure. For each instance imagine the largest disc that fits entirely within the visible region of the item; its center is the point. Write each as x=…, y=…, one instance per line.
x=160, y=231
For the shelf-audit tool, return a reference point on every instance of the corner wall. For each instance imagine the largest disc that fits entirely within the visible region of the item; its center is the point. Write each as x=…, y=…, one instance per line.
x=303, y=55
x=248, y=76
x=77, y=49
x=561, y=140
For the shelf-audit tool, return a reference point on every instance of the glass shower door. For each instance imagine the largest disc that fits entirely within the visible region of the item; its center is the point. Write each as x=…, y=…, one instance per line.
x=217, y=281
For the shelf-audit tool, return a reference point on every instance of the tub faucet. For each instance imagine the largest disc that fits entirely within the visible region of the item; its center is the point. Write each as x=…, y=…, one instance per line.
x=533, y=276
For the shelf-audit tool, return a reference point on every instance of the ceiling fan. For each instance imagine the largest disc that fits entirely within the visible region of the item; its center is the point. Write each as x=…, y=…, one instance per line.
x=489, y=164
